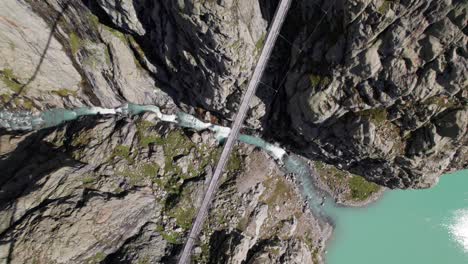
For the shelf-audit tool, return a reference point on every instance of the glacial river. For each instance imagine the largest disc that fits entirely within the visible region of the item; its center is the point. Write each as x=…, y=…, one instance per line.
x=405, y=227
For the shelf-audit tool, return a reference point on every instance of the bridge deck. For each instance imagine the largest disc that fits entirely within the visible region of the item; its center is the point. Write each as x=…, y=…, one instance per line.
x=273, y=33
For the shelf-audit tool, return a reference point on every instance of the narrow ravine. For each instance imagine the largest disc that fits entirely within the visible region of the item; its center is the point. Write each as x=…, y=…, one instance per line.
x=351, y=223
x=54, y=117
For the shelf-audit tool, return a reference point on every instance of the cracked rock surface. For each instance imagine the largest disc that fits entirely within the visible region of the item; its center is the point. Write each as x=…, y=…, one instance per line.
x=378, y=88
x=120, y=191
x=372, y=88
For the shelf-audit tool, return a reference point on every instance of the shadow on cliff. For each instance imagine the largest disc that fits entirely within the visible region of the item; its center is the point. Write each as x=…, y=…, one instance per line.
x=161, y=45
x=22, y=171
x=42, y=56
x=28, y=163
x=168, y=33
x=299, y=38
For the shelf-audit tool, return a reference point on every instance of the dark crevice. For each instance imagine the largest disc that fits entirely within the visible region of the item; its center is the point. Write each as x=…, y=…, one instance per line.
x=287, y=59
x=98, y=11
x=120, y=256
x=40, y=207
x=222, y=244
x=32, y=160
x=260, y=246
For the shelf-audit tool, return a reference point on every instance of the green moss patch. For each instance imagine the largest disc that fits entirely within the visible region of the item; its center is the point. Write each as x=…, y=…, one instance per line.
x=27, y=104
x=5, y=98
x=98, y=258
x=76, y=43
x=88, y=180
x=19, y=102
x=116, y=33
x=277, y=191
x=330, y=174
x=361, y=189
x=23, y=103
x=315, y=256
x=136, y=46
x=235, y=162
x=176, y=143
x=440, y=101
x=139, y=173
x=65, y=92
x=147, y=140
x=93, y=20
x=384, y=7
x=133, y=176
x=377, y=116
x=81, y=139
x=150, y=170
x=182, y=208
x=10, y=80
x=317, y=80
x=203, y=257
x=122, y=152
x=184, y=216
x=146, y=136
x=172, y=237
x=138, y=51
x=260, y=43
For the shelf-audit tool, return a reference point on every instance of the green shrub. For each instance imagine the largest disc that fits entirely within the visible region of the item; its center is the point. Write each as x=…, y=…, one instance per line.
x=361, y=189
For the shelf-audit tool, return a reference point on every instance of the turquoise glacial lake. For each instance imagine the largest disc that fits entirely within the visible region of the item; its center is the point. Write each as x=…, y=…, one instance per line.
x=405, y=227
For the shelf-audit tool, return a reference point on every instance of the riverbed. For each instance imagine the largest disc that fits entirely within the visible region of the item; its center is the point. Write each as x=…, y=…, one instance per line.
x=412, y=226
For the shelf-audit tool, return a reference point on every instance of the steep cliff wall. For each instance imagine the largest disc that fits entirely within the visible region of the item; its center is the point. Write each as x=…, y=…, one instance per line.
x=380, y=88
x=377, y=88
x=125, y=191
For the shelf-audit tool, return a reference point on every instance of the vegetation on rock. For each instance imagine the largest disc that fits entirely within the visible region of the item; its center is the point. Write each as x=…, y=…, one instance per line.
x=356, y=187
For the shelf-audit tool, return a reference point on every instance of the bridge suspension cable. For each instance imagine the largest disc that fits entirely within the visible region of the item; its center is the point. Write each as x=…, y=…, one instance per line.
x=273, y=33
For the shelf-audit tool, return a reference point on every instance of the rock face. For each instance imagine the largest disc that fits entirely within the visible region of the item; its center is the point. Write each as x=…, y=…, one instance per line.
x=378, y=87
x=272, y=224
x=369, y=84
x=125, y=191
x=203, y=51
x=57, y=54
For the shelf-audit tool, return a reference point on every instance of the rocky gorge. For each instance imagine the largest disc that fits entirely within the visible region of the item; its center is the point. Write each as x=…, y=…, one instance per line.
x=369, y=88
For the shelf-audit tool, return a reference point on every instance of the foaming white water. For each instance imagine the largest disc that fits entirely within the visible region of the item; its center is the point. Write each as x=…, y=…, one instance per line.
x=459, y=228
x=54, y=117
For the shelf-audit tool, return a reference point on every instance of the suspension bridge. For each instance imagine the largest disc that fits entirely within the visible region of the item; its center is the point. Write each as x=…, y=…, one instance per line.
x=273, y=33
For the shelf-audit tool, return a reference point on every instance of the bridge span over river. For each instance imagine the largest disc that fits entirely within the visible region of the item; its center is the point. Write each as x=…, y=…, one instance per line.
x=273, y=34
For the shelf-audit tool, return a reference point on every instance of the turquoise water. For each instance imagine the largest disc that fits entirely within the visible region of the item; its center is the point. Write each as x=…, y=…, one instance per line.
x=293, y=164
x=405, y=227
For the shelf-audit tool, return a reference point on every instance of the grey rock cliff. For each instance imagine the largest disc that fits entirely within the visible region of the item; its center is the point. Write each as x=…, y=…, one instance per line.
x=121, y=191
x=380, y=88
x=374, y=87
x=203, y=51
x=370, y=81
